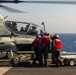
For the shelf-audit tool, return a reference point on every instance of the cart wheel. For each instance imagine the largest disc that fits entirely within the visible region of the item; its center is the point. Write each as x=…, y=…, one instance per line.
x=66, y=62
x=71, y=62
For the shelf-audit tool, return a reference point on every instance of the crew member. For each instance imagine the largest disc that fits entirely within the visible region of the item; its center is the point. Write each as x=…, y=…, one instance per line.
x=36, y=45
x=56, y=46
x=52, y=47
x=45, y=44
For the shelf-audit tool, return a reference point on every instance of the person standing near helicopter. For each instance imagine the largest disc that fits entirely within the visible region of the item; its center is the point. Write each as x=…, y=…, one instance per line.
x=45, y=45
x=36, y=45
x=56, y=48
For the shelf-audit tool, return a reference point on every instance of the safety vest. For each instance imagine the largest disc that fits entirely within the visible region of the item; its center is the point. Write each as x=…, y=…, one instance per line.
x=57, y=44
x=44, y=40
x=36, y=42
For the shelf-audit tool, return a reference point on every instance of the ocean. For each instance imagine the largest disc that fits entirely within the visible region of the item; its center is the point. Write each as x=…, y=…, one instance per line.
x=68, y=42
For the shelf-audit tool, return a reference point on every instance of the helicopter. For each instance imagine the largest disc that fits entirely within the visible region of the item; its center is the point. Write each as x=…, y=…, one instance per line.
x=21, y=1
x=12, y=36
x=18, y=36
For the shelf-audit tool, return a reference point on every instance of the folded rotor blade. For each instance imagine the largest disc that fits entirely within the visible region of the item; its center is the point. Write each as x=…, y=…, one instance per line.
x=49, y=2
x=11, y=9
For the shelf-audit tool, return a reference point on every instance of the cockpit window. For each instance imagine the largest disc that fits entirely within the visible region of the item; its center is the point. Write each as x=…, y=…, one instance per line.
x=24, y=28
x=17, y=26
x=33, y=30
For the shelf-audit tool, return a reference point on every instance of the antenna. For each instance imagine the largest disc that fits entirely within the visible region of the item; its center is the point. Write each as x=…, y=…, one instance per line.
x=43, y=25
x=5, y=17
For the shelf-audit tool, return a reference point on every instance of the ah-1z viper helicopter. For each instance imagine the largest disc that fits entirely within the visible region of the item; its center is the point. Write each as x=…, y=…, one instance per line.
x=12, y=38
x=16, y=35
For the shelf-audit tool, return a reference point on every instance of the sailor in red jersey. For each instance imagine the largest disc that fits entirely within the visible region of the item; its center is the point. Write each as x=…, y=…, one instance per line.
x=36, y=45
x=57, y=46
x=45, y=44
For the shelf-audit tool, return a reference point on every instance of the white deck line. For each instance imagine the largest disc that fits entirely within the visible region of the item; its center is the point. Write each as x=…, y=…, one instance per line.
x=4, y=69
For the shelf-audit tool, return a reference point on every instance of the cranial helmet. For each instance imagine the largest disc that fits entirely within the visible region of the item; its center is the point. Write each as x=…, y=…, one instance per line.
x=56, y=36
x=46, y=33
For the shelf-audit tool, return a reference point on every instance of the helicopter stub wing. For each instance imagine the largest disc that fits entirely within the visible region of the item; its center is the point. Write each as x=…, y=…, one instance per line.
x=7, y=44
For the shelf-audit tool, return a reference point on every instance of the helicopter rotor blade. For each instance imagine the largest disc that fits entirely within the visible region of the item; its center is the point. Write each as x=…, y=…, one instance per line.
x=44, y=2
x=11, y=9
x=49, y=2
x=9, y=1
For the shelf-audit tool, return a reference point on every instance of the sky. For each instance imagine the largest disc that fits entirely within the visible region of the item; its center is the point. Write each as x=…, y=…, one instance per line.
x=58, y=18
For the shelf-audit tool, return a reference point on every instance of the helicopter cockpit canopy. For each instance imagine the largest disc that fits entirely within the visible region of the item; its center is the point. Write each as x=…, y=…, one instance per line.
x=24, y=28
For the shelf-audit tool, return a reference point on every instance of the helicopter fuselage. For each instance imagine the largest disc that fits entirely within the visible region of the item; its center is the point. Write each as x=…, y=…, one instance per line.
x=21, y=34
